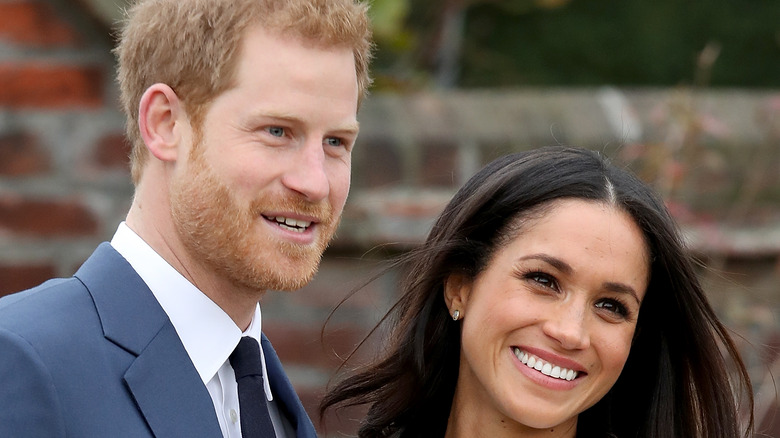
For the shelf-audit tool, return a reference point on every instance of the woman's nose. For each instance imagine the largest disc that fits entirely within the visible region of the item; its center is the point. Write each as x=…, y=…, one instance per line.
x=568, y=326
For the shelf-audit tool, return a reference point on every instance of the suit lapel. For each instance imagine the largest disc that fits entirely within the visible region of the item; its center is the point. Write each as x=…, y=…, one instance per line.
x=283, y=391
x=169, y=391
x=162, y=379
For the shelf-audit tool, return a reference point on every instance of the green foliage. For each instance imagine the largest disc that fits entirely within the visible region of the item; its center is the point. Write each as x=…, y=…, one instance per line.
x=388, y=18
x=585, y=42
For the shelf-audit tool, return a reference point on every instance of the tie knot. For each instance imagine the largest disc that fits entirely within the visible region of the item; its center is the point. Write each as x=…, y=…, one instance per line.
x=245, y=359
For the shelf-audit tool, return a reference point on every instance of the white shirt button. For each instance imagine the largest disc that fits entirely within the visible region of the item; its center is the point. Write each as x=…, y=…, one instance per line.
x=233, y=416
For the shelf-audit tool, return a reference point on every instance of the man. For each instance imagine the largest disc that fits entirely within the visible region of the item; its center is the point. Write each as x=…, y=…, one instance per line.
x=242, y=116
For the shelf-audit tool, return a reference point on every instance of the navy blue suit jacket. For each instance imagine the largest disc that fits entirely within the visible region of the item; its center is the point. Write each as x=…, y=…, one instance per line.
x=96, y=356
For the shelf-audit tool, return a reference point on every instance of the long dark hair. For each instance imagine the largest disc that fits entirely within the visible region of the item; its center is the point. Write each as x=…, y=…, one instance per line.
x=676, y=381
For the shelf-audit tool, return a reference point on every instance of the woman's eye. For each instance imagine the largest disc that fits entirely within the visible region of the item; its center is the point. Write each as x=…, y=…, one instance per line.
x=276, y=131
x=542, y=279
x=613, y=306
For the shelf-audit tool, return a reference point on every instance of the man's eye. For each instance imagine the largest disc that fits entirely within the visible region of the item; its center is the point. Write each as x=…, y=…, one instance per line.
x=276, y=131
x=333, y=141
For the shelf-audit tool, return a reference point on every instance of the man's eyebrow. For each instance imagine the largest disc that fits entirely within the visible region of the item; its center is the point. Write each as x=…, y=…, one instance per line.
x=351, y=127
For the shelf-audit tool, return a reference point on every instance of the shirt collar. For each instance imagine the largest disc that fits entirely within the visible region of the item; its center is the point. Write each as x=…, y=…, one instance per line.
x=208, y=334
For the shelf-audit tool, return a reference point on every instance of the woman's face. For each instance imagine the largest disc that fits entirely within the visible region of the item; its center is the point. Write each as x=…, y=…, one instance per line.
x=547, y=325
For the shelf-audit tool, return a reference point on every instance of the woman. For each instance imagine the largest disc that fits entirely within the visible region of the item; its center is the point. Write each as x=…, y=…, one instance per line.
x=553, y=297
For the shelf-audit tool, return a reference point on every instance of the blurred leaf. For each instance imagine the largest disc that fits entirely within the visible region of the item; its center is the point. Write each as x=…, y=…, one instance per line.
x=552, y=4
x=520, y=7
x=388, y=18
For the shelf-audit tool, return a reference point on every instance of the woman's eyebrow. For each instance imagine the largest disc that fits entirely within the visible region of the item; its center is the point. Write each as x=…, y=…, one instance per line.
x=622, y=289
x=550, y=260
x=564, y=267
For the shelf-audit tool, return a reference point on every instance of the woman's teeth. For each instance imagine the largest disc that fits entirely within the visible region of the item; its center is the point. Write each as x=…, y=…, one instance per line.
x=543, y=367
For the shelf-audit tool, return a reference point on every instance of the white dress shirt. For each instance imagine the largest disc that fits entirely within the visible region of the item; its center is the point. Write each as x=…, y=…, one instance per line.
x=209, y=335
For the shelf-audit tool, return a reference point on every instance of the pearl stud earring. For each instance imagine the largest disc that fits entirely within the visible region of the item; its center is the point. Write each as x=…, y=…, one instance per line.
x=455, y=315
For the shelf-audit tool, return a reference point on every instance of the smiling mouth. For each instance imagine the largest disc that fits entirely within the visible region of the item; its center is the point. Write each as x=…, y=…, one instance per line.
x=543, y=367
x=289, y=224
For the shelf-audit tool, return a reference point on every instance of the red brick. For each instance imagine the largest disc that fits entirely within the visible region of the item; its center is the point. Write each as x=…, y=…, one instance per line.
x=377, y=163
x=21, y=155
x=46, y=218
x=440, y=165
x=341, y=422
x=113, y=151
x=335, y=279
x=424, y=208
x=17, y=278
x=304, y=345
x=35, y=23
x=50, y=86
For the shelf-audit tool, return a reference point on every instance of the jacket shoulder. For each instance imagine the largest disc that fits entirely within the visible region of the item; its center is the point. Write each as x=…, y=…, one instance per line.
x=45, y=305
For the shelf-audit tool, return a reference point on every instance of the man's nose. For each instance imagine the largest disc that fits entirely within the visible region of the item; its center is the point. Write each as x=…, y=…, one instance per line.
x=307, y=173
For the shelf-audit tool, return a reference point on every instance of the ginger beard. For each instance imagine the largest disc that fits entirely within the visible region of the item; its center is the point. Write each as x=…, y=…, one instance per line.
x=229, y=238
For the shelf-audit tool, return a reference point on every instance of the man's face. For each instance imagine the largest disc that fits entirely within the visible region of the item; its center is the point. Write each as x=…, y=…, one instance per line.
x=261, y=194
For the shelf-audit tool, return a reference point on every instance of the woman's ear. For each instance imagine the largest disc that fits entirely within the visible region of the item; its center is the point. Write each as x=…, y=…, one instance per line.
x=457, y=288
x=158, y=114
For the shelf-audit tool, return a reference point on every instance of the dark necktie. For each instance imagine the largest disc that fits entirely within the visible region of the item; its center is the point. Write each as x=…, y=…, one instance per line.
x=246, y=362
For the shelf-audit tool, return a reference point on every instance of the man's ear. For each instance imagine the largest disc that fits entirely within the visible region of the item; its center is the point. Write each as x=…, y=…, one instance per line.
x=457, y=288
x=159, y=112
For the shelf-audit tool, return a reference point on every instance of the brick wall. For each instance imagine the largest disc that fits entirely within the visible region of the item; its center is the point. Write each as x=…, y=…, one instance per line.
x=64, y=183
x=63, y=177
